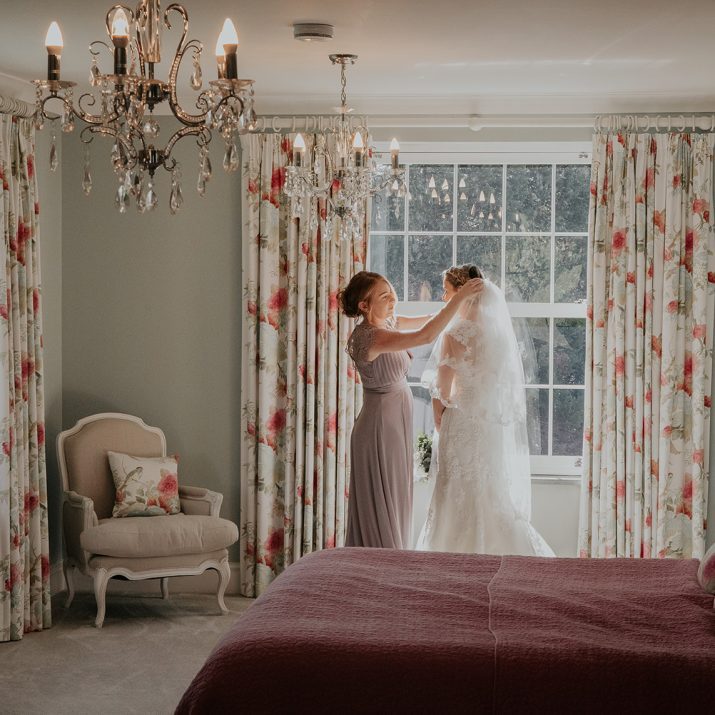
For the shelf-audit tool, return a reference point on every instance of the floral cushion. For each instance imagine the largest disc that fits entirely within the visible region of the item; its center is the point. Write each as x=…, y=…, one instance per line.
x=706, y=572
x=145, y=486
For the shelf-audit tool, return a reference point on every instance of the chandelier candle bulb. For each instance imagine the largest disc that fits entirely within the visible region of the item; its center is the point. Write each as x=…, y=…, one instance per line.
x=298, y=150
x=220, y=60
x=358, y=149
x=229, y=39
x=54, y=45
x=395, y=153
x=120, y=40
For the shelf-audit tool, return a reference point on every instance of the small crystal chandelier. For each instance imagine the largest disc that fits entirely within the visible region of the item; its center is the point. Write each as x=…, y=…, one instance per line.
x=341, y=167
x=123, y=102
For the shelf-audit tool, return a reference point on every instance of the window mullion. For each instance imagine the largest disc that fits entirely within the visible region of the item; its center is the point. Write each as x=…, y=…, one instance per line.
x=503, y=227
x=455, y=206
x=405, y=252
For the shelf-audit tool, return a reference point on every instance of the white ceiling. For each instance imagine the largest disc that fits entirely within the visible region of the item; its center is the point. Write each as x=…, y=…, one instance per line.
x=423, y=57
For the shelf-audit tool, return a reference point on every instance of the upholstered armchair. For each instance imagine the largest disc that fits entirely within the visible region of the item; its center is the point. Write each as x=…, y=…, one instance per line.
x=137, y=547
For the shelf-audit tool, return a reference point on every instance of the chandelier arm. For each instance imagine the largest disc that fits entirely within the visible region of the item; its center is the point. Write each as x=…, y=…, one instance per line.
x=129, y=148
x=96, y=53
x=200, y=131
x=196, y=47
x=90, y=100
x=225, y=99
x=136, y=55
x=181, y=10
x=201, y=103
x=329, y=168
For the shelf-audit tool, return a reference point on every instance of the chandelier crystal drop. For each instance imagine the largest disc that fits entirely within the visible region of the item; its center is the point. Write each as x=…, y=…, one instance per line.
x=121, y=104
x=340, y=168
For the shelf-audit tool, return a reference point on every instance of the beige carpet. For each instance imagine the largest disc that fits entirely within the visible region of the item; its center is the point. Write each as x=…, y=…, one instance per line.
x=141, y=661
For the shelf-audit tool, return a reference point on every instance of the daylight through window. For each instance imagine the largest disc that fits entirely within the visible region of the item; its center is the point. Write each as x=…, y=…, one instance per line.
x=525, y=224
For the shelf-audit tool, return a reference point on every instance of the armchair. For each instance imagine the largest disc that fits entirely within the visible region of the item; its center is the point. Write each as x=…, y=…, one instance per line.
x=136, y=548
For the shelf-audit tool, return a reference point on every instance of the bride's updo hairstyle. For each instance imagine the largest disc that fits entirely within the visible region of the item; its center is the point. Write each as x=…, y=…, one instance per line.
x=356, y=291
x=457, y=276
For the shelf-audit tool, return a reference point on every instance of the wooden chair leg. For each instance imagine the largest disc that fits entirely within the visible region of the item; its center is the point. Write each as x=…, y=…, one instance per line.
x=69, y=573
x=165, y=588
x=100, y=589
x=224, y=575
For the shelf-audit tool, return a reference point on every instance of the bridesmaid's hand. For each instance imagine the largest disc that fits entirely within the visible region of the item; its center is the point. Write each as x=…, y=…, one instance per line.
x=469, y=289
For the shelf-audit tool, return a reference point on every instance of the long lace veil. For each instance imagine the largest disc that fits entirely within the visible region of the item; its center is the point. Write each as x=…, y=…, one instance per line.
x=476, y=368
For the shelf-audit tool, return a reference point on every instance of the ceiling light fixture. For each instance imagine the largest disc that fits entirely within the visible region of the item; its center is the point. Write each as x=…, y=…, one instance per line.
x=312, y=31
x=124, y=101
x=341, y=167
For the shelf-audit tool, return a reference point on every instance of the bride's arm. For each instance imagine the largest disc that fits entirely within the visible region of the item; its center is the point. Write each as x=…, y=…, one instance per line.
x=437, y=410
x=443, y=380
x=387, y=341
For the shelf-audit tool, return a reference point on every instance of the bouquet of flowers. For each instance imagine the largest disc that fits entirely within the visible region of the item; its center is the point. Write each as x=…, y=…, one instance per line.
x=423, y=455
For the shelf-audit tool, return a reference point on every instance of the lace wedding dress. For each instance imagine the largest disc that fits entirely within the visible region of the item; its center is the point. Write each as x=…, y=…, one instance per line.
x=482, y=496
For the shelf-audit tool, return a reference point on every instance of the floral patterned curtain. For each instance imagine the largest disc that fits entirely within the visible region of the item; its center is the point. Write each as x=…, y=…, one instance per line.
x=24, y=544
x=299, y=391
x=648, y=346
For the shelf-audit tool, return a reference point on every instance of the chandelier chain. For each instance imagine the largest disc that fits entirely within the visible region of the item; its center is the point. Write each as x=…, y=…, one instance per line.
x=343, y=92
x=341, y=170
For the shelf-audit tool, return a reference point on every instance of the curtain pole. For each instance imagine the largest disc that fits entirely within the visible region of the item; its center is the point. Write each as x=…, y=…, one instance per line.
x=308, y=123
x=16, y=107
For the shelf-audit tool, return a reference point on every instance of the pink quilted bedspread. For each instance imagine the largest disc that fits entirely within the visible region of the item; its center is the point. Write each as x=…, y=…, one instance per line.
x=373, y=630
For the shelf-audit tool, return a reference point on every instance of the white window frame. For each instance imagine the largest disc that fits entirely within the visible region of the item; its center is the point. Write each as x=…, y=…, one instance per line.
x=521, y=153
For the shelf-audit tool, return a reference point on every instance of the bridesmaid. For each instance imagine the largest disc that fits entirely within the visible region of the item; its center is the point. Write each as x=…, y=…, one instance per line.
x=380, y=503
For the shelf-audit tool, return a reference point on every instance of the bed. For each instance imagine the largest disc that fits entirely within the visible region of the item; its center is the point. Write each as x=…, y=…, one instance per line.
x=373, y=630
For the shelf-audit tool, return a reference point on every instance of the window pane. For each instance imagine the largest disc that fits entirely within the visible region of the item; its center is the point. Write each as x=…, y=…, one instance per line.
x=569, y=351
x=479, y=192
x=532, y=334
x=388, y=211
x=537, y=420
x=422, y=418
x=484, y=251
x=420, y=355
x=387, y=256
x=571, y=254
x=428, y=256
x=572, y=197
x=568, y=422
x=528, y=260
x=528, y=198
x=431, y=197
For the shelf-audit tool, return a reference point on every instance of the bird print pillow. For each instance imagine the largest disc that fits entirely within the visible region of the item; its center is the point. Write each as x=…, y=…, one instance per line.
x=144, y=486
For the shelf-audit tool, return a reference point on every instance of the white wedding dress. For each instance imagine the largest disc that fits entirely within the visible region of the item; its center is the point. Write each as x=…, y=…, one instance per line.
x=482, y=496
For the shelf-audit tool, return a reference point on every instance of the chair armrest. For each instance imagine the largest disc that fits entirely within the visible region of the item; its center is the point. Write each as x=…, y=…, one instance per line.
x=77, y=515
x=200, y=501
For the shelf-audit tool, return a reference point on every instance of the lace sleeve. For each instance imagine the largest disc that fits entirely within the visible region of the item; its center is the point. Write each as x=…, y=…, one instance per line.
x=359, y=342
x=464, y=331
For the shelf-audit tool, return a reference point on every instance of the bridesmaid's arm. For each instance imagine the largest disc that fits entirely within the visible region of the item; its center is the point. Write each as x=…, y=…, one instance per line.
x=388, y=341
x=412, y=322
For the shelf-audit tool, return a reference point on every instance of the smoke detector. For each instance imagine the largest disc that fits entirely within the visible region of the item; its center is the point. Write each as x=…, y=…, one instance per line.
x=312, y=32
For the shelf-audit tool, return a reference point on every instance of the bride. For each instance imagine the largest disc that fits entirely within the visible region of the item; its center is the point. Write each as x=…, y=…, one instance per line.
x=482, y=496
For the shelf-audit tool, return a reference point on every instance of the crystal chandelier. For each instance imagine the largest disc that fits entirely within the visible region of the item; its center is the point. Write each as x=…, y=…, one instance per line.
x=121, y=105
x=341, y=168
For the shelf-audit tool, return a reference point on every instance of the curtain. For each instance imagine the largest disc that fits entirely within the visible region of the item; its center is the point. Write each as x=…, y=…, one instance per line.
x=648, y=346
x=24, y=544
x=299, y=391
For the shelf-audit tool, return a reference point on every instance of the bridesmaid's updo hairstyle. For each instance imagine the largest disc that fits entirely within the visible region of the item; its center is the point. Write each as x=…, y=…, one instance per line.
x=356, y=291
x=457, y=276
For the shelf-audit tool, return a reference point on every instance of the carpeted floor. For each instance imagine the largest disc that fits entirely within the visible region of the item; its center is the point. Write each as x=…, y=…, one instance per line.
x=141, y=661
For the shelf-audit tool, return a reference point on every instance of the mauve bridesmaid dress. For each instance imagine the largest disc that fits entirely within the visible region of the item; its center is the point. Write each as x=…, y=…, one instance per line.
x=380, y=504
